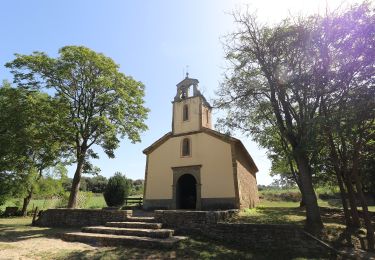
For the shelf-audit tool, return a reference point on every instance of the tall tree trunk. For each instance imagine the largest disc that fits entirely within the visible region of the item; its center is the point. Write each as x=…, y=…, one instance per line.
x=302, y=202
x=352, y=200
x=336, y=165
x=26, y=202
x=348, y=220
x=295, y=177
x=76, y=182
x=362, y=200
x=366, y=215
x=313, y=219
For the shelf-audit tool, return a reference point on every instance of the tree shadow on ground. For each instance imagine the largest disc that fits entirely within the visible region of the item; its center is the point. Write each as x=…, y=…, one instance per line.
x=23, y=232
x=195, y=247
x=274, y=215
x=335, y=232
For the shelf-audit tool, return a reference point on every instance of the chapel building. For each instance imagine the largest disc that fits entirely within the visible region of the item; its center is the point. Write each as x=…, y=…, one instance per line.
x=194, y=166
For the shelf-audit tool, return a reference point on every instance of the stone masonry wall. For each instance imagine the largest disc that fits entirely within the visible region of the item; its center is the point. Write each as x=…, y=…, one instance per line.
x=186, y=219
x=261, y=236
x=80, y=217
x=248, y=190
x=258, y=236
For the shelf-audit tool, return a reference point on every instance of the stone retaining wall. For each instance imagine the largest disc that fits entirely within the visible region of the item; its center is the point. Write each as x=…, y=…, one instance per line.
x=80, y=217
x=186, y=219
x=266, y=236
x=245, y=235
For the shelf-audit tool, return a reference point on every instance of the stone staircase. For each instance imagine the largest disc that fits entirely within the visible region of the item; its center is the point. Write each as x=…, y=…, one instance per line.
x=136, y=231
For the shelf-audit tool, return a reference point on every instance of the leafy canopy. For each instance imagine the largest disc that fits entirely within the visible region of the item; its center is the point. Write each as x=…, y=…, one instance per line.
x=103, y=102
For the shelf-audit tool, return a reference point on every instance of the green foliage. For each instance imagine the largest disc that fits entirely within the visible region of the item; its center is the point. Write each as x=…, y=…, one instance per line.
x=94, y=184
x=303, y=89
x=7, y=188
x=118, y=188
x=137, y=187
x=104, y=104
x=48, y=187
x=31, y=140
x=109, y=102
x=83, y=201
x=96, y=202
x=84, y=198
x=282, y=195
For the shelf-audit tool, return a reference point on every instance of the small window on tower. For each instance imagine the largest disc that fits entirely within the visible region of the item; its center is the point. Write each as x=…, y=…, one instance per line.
x=207, y=116
x=185, y=115
x=186, y=147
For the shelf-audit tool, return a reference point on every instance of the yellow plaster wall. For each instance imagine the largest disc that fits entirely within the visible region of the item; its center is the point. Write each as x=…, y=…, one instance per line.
x=212, y=153
x=193, y=124
x=206, y=123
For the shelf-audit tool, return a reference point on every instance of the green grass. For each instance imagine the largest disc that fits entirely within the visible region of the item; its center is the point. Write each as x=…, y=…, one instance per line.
x=272, y=215
x=16, y=234
x=278, y=191
x=96, y=202
x=281, y=212
x=292, y=204
x=40, y=203
x=278, y=204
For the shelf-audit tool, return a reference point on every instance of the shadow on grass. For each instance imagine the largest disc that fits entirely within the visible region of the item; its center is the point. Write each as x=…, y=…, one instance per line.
x=274, y=215
x=195, y=247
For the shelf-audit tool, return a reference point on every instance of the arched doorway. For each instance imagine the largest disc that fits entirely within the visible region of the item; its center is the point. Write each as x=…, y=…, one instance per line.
x=186, y=192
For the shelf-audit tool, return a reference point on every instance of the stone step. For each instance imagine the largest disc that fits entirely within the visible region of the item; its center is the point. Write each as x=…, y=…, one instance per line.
x=134, y=225
x=120, y=240
x=140, y=219
x=155, y=233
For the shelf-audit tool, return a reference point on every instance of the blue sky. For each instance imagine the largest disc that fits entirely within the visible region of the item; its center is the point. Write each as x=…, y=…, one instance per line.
x=153, y=41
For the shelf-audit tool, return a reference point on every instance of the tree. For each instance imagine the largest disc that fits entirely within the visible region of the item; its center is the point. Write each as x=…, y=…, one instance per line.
x=348, y=108
x=138, y=187
x=31, y=138
x=117, y=189
x=271, y=70
x=7, y=187
x=97, y=184
x=104, y=104
x=310, y=79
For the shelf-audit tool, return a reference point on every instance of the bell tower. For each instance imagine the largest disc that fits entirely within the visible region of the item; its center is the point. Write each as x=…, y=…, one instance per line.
x=191, y=111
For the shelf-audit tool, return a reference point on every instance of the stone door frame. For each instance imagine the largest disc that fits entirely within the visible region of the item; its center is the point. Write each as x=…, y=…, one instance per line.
x=195, y=171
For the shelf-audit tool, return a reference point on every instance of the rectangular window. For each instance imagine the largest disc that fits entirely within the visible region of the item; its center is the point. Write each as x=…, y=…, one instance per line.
x=186, y=147
x=185, y=115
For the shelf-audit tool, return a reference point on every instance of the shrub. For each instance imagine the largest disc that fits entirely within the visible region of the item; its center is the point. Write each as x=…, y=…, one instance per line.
x=282, y=196
x=83, y=200
x=117, y=190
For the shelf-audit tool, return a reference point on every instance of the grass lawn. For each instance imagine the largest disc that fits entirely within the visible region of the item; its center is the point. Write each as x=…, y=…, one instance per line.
x=19, y=240
x=95, y=202
x=281, y=212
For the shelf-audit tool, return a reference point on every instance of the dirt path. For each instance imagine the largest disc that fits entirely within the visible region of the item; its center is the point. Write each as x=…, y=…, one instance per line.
x=19, y=240
x=39, y=248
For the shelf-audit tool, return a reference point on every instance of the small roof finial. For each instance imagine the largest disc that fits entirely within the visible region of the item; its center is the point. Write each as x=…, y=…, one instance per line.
x=187, y=74
x=187, y=71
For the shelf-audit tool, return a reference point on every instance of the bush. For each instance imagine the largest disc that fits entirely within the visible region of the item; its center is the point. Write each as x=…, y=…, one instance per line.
x=281, y=196
x=83, y=199
x=117, y=190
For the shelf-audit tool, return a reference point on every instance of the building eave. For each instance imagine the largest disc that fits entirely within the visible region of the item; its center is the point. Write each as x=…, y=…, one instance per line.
x=157, y=143
x=216, y=134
